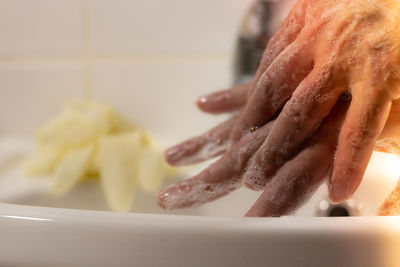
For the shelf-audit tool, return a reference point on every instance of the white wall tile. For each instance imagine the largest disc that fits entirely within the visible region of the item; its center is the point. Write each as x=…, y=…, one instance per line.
x=160, y=96
x=41, y=28
x=161, y=87
x=159, y=26
x=30, y=93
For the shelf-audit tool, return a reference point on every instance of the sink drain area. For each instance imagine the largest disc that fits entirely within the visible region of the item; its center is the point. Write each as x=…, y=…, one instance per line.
x=344, y=209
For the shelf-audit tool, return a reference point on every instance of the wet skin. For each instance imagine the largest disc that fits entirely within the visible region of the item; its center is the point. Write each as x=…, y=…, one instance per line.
x=325, y=95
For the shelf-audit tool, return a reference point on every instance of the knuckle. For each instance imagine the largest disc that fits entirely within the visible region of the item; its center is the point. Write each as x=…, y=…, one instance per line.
x=294, y=111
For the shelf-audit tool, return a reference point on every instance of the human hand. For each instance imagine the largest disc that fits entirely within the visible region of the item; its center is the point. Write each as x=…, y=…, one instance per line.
x=291, y=186
x=323, y=49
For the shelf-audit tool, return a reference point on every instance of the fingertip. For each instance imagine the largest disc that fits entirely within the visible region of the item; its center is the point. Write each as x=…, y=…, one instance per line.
x=254, y=179
x=185, y=152
x=248, y=185
x=160, y=202
x=249, y=214
x=201, y=102
x=163, y=198
x=160, y=199
x=172, y=155
x=337, y=193
x=257, y=210
x=206, y=104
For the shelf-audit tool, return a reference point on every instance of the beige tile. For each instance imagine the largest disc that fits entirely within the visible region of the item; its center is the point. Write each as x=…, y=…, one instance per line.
x=173, y=27
x=31, y=93
x=160, y=96
x=41, y=28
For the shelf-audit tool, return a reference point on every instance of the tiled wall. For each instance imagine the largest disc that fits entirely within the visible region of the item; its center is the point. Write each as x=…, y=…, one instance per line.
x=68, y=29
x=57, y=48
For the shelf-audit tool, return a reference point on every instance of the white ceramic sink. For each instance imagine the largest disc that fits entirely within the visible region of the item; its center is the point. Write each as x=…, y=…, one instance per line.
x=33, y=236
x=38, y=229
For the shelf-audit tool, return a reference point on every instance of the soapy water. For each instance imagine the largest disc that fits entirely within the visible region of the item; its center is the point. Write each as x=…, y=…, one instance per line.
x=197, y=149
x=205, y=151
x=193, y=193
x=219, y=179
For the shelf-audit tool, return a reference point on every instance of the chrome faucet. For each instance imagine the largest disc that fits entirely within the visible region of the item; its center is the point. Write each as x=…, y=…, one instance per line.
x=258, y=26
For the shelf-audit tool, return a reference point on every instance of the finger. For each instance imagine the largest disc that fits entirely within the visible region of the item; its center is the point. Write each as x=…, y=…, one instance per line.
x=299, y=178
x=364, y=123
x=275, y=87
x=285, y=35
x=235, y=98
x=389, y=140
x=224, y=101
x=200, y=148
x=310, y=104
x=391, y=206
x=218, y=179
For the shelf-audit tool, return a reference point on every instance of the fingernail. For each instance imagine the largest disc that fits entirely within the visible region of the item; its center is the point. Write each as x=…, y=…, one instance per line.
x=173, y=155
x=212, y=98
x=205, y=103
x=170, y=156
x=164, y=197
x=202, y=99
x=161, y=197
x=171, y=151
x=337, y=193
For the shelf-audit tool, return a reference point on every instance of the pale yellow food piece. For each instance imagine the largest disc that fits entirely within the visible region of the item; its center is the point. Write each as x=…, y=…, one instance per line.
x=89, y=139
x=117, y=161
x=43, y=162
x=120, y=124
x=71, y=169
x=75, y=125
x=152, y=143
x=81, y=122
x=151, y=170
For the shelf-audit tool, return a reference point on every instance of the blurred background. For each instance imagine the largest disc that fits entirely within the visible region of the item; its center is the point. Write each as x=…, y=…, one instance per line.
x=79, y=48
x=150, y=59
